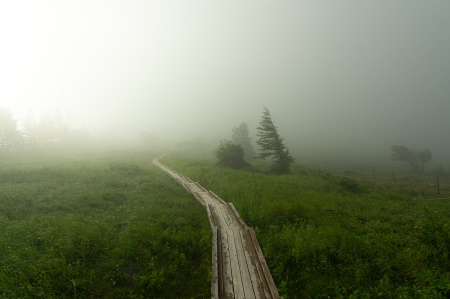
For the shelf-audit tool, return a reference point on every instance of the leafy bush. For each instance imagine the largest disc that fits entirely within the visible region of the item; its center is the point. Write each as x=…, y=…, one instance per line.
x=230, y=155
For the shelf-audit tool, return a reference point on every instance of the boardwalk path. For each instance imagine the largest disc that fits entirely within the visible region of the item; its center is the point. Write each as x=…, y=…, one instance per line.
x=239, y=269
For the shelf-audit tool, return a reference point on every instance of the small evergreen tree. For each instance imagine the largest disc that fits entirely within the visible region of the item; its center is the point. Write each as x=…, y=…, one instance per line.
x=230, y=155
x=272, y=146
x=241, y=136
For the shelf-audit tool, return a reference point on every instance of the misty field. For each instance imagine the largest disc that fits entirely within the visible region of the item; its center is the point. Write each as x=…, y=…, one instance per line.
x=99, y=226
x=111, y=225
x=327, y=236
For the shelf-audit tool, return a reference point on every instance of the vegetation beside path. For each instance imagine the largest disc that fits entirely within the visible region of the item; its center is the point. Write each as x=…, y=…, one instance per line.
x=99, y=226
x=110, y=225
x=329, y=236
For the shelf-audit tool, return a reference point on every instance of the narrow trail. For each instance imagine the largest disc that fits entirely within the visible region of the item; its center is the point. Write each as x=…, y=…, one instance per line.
x=239, y=269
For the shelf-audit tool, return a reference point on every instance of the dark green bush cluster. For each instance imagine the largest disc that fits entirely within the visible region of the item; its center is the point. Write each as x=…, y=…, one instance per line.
x=230, y=155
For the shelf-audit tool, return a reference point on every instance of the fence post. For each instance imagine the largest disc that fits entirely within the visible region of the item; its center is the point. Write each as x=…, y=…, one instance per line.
x=393, y=175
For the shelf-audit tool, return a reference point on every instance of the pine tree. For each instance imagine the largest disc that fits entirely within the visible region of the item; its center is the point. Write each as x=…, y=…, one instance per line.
x=272, y=146
x=241, y=137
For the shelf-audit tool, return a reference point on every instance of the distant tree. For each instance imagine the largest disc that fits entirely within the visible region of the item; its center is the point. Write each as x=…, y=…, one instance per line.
x=423, y=158
x=52, y=129
x=230, y=155
x=416, y=160
x=30, y=132
x=272, y=146
x=241, y=137
x=10, y=136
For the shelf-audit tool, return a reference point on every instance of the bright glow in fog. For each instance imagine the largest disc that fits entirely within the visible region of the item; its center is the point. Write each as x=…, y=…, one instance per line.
x=349, y=75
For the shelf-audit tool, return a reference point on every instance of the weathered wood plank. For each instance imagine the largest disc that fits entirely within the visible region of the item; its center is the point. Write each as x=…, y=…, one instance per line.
x=217, y=197
x=260, y=278
x=239, y=269
x=235, y=269
x=267, y=276
x=227, y=271
x=243, y=266
x=237, y=216
x=230, y=218
x=215, y=265
x=253, y=270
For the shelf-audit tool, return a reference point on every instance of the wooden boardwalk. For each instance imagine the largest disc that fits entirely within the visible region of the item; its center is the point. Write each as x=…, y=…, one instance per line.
x=239, y=269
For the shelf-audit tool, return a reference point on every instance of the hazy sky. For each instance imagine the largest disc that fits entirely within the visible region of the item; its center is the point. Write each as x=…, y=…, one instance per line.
x=334, y=74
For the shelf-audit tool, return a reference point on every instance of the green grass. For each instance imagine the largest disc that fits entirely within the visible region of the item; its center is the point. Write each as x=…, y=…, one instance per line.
x=110, y=225
x=327, y=236
x=99, y=226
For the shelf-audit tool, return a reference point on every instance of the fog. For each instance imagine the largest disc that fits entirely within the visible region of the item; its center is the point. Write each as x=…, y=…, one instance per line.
x=346, y=78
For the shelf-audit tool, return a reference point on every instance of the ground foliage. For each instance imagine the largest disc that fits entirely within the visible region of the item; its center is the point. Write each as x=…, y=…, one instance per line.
x=327, y=236
x=99, y=226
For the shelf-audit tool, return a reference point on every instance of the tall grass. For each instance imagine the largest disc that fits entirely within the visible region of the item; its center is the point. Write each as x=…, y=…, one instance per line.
x=328, y=236
x=99, y=226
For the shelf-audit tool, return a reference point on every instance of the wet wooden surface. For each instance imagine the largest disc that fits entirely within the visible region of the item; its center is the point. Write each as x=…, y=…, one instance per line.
x=239, y=269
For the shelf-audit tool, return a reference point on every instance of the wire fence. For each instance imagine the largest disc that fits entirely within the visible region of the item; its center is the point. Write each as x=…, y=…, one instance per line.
x=430, y=186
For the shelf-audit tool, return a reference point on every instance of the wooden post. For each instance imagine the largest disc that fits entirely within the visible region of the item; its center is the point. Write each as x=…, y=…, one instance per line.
x=393, y=175
x=439, y=191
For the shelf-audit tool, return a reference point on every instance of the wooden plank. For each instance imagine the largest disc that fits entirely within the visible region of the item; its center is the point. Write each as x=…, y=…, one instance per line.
x=268, y=277
x=250, y=257
x=221, y=216
x=220, y=281
x=230, y=263
x=237, y=216
x=243, y=266
x=261, y=280
x=214, y=266
x=217, y=197
x=227, y=271
x=201, y=187
x=229, y=217
x=217, y=256
x=211, y=216
x=235, y=269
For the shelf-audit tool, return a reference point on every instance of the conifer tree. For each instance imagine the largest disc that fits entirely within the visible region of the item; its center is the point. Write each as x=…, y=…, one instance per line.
x=241, y=137
x=272, y=146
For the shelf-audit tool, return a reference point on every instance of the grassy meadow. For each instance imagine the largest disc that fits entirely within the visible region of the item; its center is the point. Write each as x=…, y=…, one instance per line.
x=327, y=236
x=106, y=225
x=110, y=225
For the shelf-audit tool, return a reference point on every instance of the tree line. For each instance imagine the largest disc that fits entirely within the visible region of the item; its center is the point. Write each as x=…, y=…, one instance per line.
x=238, y=151
x=50, y=129
x=417, y=160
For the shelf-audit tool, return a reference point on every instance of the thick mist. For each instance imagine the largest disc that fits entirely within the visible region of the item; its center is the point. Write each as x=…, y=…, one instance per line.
x=342, y=79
